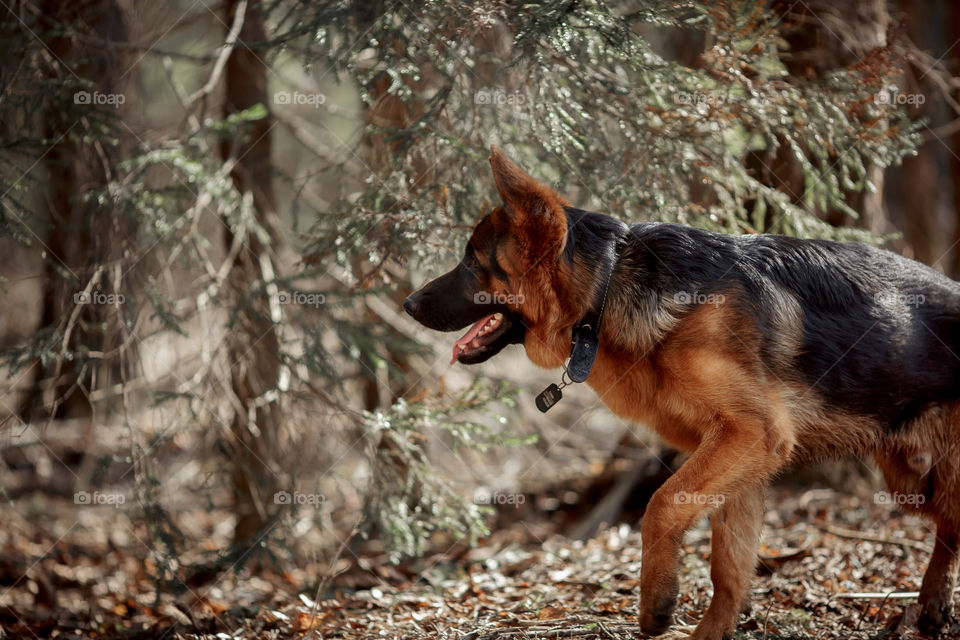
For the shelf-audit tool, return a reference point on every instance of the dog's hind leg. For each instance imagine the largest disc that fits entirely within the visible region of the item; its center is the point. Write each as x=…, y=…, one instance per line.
x=733, y=559
x=922, y=464
x=936, y=592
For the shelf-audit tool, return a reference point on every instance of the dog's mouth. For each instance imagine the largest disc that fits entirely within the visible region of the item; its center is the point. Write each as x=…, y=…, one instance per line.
x=486, y=337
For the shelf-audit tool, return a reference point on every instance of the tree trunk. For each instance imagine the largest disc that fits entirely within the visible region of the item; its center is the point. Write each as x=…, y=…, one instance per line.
x=915, y=204
x=953, y=32
x=254, y=347
x=86, y=241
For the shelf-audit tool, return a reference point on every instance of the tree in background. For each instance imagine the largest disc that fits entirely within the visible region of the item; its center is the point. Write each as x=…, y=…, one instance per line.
x=254, y=350
x=56, y=63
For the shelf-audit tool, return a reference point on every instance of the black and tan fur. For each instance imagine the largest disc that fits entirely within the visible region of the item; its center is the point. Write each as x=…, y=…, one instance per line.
x=751, y=353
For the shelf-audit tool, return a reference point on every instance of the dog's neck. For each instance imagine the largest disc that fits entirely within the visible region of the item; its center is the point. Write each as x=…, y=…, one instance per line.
x=594, y=239
x=586, y=333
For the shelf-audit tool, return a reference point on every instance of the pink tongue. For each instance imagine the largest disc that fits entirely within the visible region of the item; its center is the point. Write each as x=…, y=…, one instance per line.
x=468, y=336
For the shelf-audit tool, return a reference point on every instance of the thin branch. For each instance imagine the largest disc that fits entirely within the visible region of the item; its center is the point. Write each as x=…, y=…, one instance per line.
x=869, y=537
x=221, y=63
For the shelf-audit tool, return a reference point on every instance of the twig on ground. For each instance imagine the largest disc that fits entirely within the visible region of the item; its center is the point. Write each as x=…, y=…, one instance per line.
x=860, y=535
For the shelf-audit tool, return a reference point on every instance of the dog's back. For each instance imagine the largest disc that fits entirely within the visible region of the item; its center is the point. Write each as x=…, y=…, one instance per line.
x=894, y=323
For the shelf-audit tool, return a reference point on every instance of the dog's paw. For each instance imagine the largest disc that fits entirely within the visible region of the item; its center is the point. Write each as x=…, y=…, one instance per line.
x=655, y=620
x=679, y=632
x=929, y=620
x=655, y=625
x=707, y=634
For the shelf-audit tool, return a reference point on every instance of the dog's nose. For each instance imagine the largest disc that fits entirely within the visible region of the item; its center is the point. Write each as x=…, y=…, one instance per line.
x=411, y=304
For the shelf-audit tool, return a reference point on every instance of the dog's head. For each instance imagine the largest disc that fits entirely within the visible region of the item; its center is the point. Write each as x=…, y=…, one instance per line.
x=511, y=279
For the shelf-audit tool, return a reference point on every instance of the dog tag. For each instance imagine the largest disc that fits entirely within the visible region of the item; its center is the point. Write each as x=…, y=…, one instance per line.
x=549, y=397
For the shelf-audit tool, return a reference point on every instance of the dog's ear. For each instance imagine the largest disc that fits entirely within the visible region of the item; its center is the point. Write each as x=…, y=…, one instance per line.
x=513, y=184
x=527, y=201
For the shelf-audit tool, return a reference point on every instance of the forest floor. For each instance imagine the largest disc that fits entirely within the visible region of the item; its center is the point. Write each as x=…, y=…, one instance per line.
x=832, y=566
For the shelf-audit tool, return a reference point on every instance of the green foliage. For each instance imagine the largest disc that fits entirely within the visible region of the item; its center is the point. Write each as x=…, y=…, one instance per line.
x=579, y=96
x=408, y=501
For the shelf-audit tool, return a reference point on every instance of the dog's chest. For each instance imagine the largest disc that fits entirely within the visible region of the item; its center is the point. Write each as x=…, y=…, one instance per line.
x=637, y=392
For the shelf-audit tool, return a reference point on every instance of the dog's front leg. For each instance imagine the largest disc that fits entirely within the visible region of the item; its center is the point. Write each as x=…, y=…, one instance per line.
x=730, y=466
x=735, y=530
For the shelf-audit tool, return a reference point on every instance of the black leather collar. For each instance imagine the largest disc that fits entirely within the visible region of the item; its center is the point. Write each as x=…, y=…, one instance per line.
x=586, y=333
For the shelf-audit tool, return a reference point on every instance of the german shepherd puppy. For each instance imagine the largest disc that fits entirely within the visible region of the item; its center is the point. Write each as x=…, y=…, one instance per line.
x=751, y=353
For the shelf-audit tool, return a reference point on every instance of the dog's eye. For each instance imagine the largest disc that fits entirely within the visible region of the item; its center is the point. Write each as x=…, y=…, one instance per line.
x=470, y=262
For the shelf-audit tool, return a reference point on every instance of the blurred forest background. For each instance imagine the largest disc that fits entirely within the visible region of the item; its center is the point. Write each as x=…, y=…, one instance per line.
x=210, y=211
